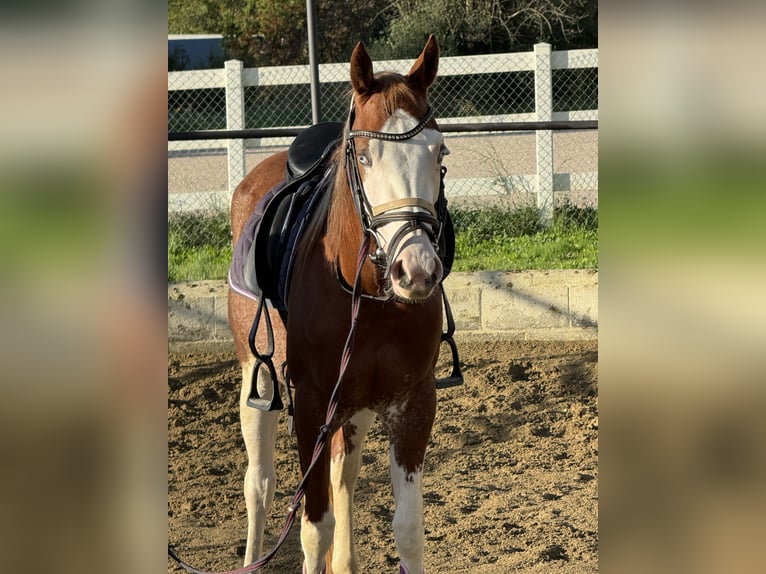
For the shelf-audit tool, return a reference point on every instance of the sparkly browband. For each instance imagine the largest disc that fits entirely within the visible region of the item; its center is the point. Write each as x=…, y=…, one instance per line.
x=394, y=137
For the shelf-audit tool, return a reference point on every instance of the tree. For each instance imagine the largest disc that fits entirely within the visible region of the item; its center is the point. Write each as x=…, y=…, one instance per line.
x=273, y=32
x=239, y=24
x=485, y=26
x=235, y=20
x=342, y=24
x=193, y=17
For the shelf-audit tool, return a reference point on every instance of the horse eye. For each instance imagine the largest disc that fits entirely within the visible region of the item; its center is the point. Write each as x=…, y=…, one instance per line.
x=364, y=159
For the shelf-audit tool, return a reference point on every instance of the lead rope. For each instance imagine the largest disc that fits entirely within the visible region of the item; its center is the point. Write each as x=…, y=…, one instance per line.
x=324, y=431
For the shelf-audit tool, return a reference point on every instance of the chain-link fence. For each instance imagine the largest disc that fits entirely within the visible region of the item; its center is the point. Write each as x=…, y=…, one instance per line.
x=551, y=172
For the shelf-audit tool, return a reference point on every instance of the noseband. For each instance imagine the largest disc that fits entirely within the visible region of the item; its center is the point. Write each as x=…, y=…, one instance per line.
x=428, y=218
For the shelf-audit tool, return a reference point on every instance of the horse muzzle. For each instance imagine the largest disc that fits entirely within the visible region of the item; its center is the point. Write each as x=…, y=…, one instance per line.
x=415, y=273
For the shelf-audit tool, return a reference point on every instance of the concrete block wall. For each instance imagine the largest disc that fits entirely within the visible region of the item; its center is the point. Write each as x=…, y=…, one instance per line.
x=557, y=304
x=197, y=313
x=535, y=305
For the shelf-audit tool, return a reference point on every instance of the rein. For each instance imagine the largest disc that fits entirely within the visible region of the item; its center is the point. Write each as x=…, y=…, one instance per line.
x=324, y=431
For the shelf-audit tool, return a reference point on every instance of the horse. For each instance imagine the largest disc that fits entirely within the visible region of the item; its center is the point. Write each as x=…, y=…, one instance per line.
x=384, y=186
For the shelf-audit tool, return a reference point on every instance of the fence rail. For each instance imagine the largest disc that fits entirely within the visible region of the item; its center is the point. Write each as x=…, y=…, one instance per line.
x=329, y=73
x=519, y=125
x=258, y=133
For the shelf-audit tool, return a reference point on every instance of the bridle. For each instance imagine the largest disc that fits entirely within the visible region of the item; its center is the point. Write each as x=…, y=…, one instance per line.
x=428, y=218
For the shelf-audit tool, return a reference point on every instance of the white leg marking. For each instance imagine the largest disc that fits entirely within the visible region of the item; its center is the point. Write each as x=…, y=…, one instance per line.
x=344, y=470
x=316, y=539
x=408, y=518
x=259, y=430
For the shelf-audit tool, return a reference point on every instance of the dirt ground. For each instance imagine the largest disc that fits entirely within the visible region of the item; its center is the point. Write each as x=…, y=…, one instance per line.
x=511, y=482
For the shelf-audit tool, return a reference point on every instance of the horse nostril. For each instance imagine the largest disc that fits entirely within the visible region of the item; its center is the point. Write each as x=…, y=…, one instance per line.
x=396, y=271
x=405, y=282
x=431, y=281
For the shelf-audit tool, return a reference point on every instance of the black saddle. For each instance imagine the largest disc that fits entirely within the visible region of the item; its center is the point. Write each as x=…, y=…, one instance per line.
x=311, y=147
x=288, y=208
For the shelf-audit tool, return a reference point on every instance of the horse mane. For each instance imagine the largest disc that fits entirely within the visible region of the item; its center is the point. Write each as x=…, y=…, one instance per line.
x=325, y=214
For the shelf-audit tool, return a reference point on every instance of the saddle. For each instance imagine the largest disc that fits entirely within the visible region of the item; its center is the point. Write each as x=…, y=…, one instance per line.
x=286, y=210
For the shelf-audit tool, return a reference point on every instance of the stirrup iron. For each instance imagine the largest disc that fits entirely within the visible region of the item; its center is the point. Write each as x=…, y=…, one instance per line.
x=456, y=377
x=263, y=360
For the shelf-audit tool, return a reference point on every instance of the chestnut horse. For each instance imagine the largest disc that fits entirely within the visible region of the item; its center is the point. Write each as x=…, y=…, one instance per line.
x=391, y=153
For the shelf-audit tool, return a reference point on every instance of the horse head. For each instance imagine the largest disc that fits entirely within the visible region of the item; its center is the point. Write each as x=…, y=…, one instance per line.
x=394, y=154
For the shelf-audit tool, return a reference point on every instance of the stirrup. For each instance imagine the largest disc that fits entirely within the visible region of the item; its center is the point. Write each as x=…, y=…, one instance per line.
x=456, y=377
x=254, y=399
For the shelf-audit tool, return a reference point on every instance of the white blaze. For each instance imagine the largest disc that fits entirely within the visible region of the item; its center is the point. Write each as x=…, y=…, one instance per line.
x=394, y=170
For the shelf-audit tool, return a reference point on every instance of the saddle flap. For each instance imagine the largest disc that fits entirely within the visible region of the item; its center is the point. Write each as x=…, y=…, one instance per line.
x=278, y=233
x=268, y=243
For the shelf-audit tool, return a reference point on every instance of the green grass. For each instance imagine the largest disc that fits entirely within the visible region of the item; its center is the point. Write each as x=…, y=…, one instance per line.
x=500, y=240
x=550, y=249
x=204, y=262
x=199, y=245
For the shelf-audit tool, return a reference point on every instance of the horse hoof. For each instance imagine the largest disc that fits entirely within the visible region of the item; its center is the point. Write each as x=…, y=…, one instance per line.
x=403, y=570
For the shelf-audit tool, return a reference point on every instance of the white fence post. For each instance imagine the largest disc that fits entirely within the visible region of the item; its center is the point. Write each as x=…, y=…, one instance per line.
x=235, y=120
x=544, y=143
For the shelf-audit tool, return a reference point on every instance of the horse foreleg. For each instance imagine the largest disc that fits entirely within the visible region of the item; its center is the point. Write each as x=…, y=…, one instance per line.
x=408, y=518
x=317, y=522
x=259, y=432
x=344, y=469
x=409, y=430
x=316, y=539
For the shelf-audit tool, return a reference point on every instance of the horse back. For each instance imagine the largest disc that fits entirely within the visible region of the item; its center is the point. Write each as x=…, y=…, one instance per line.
x=253, y=187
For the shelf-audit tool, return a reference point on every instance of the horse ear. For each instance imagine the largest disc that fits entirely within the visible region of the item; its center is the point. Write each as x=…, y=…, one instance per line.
x=423, y=71
x=362, y=78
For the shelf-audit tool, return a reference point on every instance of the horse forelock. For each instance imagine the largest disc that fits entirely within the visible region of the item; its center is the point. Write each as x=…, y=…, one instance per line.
x=391, y=92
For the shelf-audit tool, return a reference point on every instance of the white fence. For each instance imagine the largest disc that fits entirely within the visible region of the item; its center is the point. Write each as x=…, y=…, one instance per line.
x=483, y=164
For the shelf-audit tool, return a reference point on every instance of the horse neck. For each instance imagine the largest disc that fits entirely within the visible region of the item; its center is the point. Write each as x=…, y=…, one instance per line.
x=343, y=236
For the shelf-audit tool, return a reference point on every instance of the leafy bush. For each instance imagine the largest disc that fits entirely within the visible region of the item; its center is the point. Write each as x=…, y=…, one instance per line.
x=194, y=229
x=569, y=216
x=493, y=222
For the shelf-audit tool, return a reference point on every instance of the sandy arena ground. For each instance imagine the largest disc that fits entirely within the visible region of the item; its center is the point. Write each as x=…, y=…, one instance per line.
x=511, y=472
